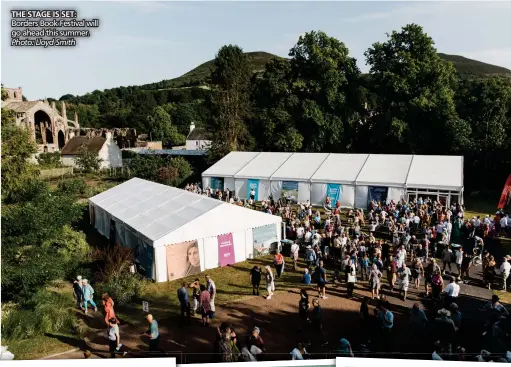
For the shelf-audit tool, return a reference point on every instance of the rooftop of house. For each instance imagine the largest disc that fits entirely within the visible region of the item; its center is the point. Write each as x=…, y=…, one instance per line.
x=199, y=133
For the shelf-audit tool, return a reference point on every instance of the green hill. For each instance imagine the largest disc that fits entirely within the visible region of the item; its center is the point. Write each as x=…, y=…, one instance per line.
x=201, y=75
x=474, y=68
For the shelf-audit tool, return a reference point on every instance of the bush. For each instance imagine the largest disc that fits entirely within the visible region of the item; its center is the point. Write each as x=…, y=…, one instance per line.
x=74, y=186
x=72, y=246
x=51, y=313
x=49, y=160
x=123, y=288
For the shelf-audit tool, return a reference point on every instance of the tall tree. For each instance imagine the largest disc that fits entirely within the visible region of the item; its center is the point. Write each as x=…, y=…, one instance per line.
x=160, y=126
x=231, y=105
x=416, y=111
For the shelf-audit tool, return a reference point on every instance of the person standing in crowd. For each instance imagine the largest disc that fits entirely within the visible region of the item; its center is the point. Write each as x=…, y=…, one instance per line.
x=88, y=294
x=299, y=353
x=466, y=264
x=452, y=291
x=445, y=330
x=447, y=257
x=320, y=273
x=386, y=318
x=78, y=292
x=352, y=278
x=255, y=279
x=418, y=325
x=459, y=259
x=205, y=304
x=195, y=286
x=344, y=349
x=505, y=269
x=374, y=281
x=211, y=287
x=184, y=302
x=270, y=282
x=303, y=310
x=295, y=250
x=317, y=322
x=153, y=334
x=404, y=278
x=255, y=343
x=392, y=273
x=278, y=261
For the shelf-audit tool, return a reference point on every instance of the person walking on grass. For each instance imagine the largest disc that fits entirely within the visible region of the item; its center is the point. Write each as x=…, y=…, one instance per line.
x=108, y=304
x=375, y=281
x=88, y=294
x=184, y=302
x=317, y=322
x=270, y=282
x=210, y=285
x=114, y=338
x=295, y=250
x=153, y=334
x=195, y=286
x=278, y=261
x=352, y=278
x=78, y=291
x=205, y=305
x=255, y=279
x=404, y=278
x=320, y=273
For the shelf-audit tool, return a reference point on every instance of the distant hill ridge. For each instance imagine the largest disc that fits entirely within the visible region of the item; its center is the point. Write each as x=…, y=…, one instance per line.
x=201, y=74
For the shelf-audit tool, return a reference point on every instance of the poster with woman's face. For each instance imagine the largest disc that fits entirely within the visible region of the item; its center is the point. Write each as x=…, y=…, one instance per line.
x=183, y=259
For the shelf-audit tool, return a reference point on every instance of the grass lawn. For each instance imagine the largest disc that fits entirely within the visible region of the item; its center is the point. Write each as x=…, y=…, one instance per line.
x=232, y=283
x=41, y=346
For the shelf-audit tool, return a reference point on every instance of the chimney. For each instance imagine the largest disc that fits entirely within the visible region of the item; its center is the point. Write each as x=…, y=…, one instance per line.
x=192, y=126
x=64, y=113
x=53, y=106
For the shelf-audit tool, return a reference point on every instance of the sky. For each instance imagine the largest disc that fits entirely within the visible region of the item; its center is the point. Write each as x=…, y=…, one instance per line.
x=141, y=42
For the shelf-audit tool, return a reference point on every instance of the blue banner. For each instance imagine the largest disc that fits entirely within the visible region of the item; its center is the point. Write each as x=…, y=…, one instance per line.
x=253, y=185
x=217, y=183
x=334, y=191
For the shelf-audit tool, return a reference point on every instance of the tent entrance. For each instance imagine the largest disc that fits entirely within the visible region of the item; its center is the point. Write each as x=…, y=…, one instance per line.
x=378, y=194
x=113, y=233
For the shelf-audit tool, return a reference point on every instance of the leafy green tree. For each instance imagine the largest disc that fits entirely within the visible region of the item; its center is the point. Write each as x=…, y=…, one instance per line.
x=88, y=161
x=231, y=105
x=5, y=95
x=160, y=126
x=416, y=111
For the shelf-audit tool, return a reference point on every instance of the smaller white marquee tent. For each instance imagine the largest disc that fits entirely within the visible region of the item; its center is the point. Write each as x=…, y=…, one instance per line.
x=176, y=233
x=353, y=180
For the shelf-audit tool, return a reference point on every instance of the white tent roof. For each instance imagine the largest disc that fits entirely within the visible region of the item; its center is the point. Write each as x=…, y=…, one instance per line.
x=156, y=210
x=385, y=170
x=300, y=167
x=349, y=169
x=229, y=165
x=436, y=172
x=340, y=168
x=263, y=166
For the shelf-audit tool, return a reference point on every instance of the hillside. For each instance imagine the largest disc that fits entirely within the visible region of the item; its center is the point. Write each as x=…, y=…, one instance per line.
x=201, y=74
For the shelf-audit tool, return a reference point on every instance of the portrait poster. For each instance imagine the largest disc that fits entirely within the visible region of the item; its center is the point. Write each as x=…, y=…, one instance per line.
x=225, y=249
x=183, y=259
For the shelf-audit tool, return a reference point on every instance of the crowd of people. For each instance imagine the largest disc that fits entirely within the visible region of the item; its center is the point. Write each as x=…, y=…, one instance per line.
x=387, y=250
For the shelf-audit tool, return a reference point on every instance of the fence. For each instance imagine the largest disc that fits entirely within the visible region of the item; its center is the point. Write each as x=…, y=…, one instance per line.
x=56, y=172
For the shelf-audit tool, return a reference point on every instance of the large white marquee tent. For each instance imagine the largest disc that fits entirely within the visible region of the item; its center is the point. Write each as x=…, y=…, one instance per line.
x=176, y=233
x=352, y=179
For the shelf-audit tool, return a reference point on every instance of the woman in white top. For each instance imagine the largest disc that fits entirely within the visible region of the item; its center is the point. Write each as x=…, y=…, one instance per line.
x=270, y=284
x=299, y=353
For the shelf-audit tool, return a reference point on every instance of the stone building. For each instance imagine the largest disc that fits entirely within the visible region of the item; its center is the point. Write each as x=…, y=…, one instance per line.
x=50, y=128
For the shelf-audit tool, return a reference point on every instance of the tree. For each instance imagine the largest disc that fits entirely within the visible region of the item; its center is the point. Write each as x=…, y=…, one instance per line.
x=416, y=111
x=49, y=160
x=88, y=161
x=160, y=126
x=231, y=105
x=5, y=95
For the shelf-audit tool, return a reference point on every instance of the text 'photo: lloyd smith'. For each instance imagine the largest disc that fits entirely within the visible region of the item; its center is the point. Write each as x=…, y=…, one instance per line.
x=257, y=182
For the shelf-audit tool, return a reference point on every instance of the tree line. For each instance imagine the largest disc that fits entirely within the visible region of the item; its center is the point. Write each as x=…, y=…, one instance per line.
x=411, y=102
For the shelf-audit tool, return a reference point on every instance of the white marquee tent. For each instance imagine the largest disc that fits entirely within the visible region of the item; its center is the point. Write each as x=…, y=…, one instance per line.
x=176, y=233
x=351, y=179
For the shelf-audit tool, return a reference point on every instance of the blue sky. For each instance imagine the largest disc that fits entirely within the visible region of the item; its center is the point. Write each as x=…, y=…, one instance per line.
x=143, y=42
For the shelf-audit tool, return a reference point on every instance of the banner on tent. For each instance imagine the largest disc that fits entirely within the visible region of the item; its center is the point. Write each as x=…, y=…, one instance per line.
x=290, y=191
x=217, y=183
x=253, y=188
x=263, y=238
x=334, y=191
x=225, y=249
x=183, y=259
x=378, y=194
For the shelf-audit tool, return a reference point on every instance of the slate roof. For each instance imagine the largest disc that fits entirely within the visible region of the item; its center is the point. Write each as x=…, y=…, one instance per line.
x=21, y=106
x=92, y=145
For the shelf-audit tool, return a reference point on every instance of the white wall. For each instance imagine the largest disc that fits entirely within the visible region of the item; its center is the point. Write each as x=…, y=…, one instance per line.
x=241, y=188
x=111, y=155
x=69, y=160
x=197, y=144
x=361, y=195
